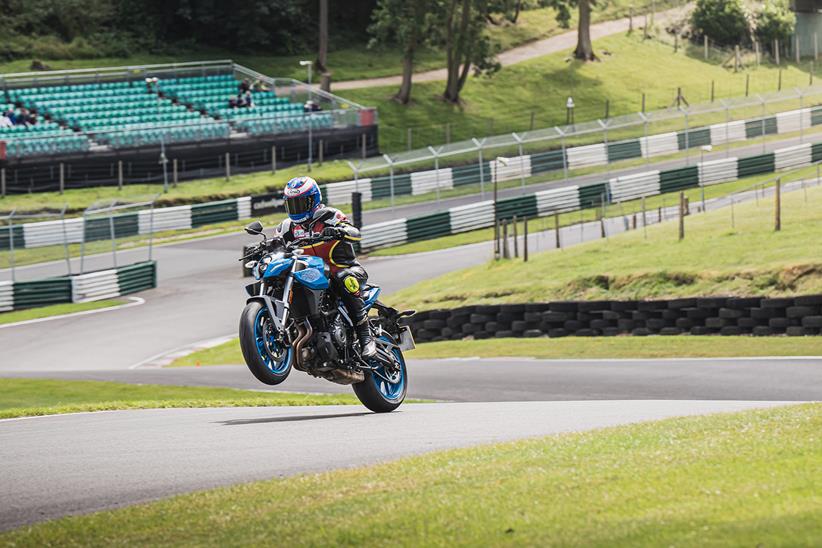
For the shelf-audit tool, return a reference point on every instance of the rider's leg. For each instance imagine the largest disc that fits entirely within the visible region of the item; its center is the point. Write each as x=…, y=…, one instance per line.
x=350, y=282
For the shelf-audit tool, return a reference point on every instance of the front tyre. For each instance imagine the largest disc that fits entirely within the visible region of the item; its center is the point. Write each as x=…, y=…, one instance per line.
x=384, y=388
x=268, y=360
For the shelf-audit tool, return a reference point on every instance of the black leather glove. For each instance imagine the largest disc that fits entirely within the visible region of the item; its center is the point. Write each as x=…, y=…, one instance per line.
x=334, y=232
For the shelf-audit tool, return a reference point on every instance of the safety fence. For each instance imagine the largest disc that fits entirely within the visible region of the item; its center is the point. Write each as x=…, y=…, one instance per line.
x=571, y=157
x=570, y=198
x=760, y=316
x=80, y=288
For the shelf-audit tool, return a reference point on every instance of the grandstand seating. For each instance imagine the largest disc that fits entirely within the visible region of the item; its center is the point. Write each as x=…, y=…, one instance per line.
x=129, y=114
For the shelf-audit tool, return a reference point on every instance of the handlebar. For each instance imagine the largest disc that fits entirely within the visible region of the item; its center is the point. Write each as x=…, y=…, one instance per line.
x=288, y=247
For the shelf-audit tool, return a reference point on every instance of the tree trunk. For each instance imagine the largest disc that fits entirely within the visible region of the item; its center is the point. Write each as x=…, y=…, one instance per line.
x=403, y=96
x=322, y=54
x=456, y=54
x=517, y=9
x=452, y=60
x=585, y=50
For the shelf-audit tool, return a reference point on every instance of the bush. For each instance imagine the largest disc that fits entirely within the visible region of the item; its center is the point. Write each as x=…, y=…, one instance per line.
x=723, y=21
x=774, y=21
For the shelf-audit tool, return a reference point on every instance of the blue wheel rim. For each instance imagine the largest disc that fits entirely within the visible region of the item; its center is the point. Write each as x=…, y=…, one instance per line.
x=391, y=391
x=267, y=346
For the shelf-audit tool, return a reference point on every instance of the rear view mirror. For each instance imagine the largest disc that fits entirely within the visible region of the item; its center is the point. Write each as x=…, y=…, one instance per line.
x=254, y=228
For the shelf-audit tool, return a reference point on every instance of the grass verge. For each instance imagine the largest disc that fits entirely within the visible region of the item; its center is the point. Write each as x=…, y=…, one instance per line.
x=56, y=310
x=33, y=397
x=725, y=252
x=751, y=478
x=571, y=348
x=623, y=347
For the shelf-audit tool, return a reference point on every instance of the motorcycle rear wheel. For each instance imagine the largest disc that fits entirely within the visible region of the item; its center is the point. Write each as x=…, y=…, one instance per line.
x=378, y=394
x=266, y=360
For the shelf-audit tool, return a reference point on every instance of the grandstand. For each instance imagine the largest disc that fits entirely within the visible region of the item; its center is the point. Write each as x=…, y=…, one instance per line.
x=102, y=116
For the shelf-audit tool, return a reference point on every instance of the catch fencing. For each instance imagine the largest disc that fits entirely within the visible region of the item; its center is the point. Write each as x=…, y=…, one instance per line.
x=571, y=198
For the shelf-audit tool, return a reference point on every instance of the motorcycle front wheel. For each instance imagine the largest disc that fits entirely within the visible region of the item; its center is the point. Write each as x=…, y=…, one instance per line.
x=268, y=360
x=384, y=388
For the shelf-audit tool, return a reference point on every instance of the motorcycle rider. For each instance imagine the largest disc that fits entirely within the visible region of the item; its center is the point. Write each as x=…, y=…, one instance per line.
x=309, y=217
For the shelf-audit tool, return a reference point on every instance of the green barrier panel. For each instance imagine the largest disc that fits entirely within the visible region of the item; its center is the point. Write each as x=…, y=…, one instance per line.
x=16, y=235
x=468, y=175
x=547, y=161
x=623, y=150
x=215, y=212
x=521, y=207
x=754, y=128
x=99, y=228
x=592, y=195
x=816, y=116
x=678, y=179
x=753, y=165
x=42, y=292
x=381, y=186
x=137, y=277
x=695, y=138
x=816, y=152
x=428, y=226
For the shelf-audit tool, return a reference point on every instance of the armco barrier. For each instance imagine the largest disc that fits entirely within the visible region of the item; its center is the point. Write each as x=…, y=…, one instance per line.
x=79, y=288
x=628, y=187
x=795, y=316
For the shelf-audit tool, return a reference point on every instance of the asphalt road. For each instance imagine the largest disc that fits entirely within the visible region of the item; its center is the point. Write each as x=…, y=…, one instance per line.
x=58, y=465
x=510, y=379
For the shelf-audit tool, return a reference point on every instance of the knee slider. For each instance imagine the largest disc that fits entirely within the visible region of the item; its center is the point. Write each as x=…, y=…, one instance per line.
x=352, y=284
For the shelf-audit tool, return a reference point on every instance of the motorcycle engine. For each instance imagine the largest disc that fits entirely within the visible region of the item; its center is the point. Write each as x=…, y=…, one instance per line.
x=338, y=333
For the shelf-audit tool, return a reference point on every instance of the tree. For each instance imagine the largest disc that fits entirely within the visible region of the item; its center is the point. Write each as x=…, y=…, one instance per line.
x=404, y=23
x=467, y=47
x=584, y=49
x=723, y=21
x=774, y=21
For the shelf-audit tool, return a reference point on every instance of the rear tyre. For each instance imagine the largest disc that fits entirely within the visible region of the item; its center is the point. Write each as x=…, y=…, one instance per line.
x=384, y=390
x=267, y=360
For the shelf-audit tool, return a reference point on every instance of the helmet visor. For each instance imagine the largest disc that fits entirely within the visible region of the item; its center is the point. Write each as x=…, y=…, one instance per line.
x=298, y=205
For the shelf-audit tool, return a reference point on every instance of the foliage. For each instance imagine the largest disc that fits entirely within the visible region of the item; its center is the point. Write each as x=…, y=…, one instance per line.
x=723, y=21
x=774, y=21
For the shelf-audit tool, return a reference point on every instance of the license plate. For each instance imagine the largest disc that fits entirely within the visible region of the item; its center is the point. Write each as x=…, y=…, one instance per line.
x=406, y=339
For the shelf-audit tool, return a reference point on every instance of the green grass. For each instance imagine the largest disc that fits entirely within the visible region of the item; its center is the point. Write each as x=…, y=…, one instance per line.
x=494, y=106
x=56, y=310
x=32, y=397
x=627, y=208
x=571, y=348
x=742, y=479
x=622, y=347
x=714, y=259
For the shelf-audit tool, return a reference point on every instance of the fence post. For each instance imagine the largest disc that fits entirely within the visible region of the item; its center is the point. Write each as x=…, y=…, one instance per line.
x=778, y=209
x=274, y=159
x=62, y=177
x=681, y=216
x=525, y=241
x=364, y=145
x=644, y=219
x=556, y=231
x=706, y=46
x=796, y=48
x=736, y=58
x=496, y=240
x=174, y=174
x=516, y=239
x=713, y=90
x=747, y=84
x=815, y=47
x=533, y=115
x=408, y=138
x=643, y=102
x=321, y=151
x=119, y=174
x=3, y=182
x=756, y=53
x=776, y=51
x=227, y=166
x=505, y=253
x=779, y=82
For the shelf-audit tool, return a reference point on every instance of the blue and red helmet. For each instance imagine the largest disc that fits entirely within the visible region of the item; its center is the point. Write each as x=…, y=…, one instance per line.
x=302, y=198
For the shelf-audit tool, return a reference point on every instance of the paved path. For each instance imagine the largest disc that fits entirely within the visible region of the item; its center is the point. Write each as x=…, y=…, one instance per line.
x=58, y=465
x=526, y=52
x=522, y=379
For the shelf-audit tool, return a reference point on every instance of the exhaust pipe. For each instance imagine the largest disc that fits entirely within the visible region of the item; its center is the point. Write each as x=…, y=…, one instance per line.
x=301, y=340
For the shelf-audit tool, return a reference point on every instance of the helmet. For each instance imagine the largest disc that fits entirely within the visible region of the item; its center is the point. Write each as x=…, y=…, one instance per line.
x=302, y=198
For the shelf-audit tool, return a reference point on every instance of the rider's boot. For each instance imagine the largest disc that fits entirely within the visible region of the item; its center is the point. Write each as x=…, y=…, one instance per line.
x=369, y=347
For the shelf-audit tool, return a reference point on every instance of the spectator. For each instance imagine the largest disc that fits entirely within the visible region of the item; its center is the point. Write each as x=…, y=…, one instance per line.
x=5, y=120
x=245, y=86
x=22, y=119
x=259, y=86
x=311, y=106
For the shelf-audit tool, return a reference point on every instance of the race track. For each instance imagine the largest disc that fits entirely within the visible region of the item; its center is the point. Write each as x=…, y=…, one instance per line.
x=59, y=465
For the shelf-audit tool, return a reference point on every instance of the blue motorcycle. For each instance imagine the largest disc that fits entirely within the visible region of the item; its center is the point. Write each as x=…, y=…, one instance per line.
x=294, y=319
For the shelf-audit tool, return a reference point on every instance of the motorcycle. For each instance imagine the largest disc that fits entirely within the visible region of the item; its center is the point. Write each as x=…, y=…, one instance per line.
x=293, y=319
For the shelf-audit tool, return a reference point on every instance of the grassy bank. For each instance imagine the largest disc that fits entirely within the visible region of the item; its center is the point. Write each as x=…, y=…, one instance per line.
x=56, y=310
x=749, y=478
x=571, y=348
x=32, y=397
x=713, y=259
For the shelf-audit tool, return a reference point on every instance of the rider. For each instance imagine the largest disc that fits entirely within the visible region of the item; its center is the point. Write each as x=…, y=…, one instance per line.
x=309, y=217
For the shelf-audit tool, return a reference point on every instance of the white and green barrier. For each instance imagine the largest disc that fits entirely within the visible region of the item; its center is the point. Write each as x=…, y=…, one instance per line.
x=571, y=198
x=79, y=288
